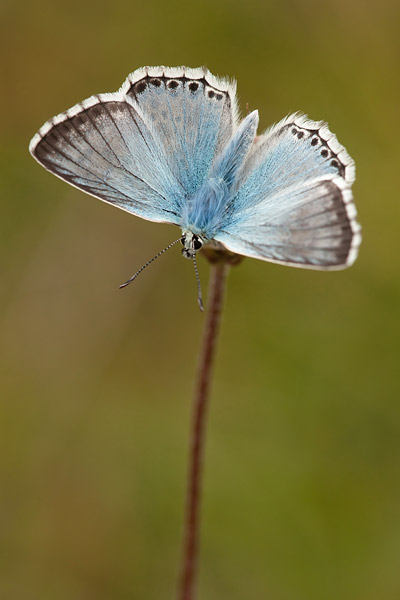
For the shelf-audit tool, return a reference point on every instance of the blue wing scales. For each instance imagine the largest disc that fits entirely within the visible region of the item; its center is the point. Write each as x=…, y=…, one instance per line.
x=104, y=147
x=194, y=112
x=147, y=147
x=294, y=203
x=167, y=147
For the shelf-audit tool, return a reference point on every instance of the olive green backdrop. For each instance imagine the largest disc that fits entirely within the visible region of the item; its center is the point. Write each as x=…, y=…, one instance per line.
x=302, y=481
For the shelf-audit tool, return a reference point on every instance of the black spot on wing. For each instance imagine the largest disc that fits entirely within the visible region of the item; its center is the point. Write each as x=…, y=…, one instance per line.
x=312, y=137
x=171, y=83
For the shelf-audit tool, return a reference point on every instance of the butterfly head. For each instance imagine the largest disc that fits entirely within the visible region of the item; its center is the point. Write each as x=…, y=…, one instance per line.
x=191, y=244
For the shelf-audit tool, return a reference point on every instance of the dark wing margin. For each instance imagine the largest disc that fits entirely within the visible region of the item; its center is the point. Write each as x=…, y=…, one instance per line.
x=105, y=148
x=194, y=112
x=313, y=226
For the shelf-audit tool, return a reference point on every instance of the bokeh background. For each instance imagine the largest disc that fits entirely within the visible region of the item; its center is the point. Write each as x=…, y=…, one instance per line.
x=302, y=480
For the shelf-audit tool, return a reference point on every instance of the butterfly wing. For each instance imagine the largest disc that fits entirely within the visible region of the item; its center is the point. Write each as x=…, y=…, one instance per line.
x=146, y=147
x=294, y=203
x=104, y=147
x=194, y=112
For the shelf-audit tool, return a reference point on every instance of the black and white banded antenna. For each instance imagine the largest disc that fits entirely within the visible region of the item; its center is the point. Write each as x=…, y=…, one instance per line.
x=199, y=297
x=148, y=263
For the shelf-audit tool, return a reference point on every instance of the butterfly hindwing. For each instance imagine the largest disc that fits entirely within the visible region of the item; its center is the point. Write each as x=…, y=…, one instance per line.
x=294, y=203
x=194, y=113
x=206, y=209
x=167, y=147
x=147, y=147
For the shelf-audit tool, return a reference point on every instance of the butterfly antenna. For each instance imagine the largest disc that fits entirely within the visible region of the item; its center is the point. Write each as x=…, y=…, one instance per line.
x=148, y=263
x=199, y=297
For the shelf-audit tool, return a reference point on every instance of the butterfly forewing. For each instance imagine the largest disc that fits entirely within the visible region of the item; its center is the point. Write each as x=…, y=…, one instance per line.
x=167, y=147
x=294, y=202
x=104, y=147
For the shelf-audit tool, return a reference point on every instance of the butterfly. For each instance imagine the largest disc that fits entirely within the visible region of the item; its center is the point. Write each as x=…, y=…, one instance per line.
x=169, y=147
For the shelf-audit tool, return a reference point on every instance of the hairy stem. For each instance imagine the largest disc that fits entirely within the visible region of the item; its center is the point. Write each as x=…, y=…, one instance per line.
x=201, y=395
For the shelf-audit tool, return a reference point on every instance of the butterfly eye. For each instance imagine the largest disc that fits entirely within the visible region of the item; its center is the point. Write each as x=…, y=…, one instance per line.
x=183, y=241
x=197, y=243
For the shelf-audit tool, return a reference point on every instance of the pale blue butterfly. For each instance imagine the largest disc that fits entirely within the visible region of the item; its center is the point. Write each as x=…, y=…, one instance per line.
x=168, y=147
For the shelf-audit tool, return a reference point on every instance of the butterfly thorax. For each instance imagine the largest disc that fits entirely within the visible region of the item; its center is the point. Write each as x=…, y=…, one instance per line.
x=206, y=209
x=168, y=147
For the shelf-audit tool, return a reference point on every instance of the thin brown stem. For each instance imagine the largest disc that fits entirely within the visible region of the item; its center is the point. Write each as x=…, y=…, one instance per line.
x=201, y=395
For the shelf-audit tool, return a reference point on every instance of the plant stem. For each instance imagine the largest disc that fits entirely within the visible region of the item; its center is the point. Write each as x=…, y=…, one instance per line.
x=210, y=333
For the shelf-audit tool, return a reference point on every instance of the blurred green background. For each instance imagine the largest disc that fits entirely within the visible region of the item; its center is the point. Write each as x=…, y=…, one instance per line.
x=302, y=481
